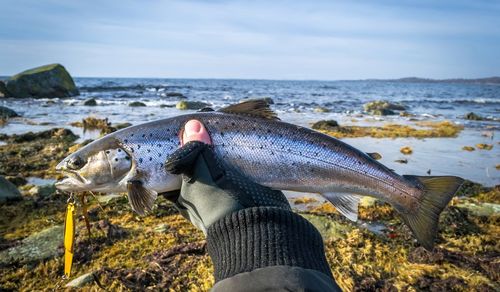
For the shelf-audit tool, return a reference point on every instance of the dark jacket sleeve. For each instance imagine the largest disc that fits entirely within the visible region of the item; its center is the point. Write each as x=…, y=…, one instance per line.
x=265, y=248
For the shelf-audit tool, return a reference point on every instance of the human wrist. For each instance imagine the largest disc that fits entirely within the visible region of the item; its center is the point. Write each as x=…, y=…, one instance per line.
x=259, y=237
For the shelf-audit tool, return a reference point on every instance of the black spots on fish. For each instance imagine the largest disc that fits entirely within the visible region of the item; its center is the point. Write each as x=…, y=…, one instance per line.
x=254, y=128
x=132, y=149
x=282, y=146
x=223, y=145
x=311, y=170
x=150, y=135
x=143, y=135
x=272, y=152
x=127, y=158
x=140, y=160
x=239, y=156
x=116, y=159
x=138, y=146
x=216, y=122
x=171, y=147
x=119, y=150
x=233, y=124
x=150, y=158
x=126, y=140
x=149, y=150
x=161, y=164
x=293, y=164
x=132, y=135
x=269, y=131
x=316, y=153
x=261, y=147
x=158, y=145
x=168, y=130
x=159, y=154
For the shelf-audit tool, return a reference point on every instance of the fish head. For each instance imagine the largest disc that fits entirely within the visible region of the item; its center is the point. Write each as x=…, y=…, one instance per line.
x=95, y=167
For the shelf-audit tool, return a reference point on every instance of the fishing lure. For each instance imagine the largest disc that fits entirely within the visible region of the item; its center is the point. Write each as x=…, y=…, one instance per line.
x=69, y=235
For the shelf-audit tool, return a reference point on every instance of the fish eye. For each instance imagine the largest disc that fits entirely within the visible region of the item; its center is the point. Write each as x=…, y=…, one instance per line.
x=75, y=163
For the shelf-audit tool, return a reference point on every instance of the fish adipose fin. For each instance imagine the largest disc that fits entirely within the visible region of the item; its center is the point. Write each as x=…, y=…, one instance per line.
x=140, y=198
x=439, y=190
x=346, y=204
x=254, y=107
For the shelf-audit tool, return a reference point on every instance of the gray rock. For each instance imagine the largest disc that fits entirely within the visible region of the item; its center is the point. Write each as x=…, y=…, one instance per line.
x=320, y=109
x=481, y=209
x=42, y=191
x=90, y=102
x=6, y=113
x=136, y=103
x=3, y=90
x=328, y=228
x=46, y=81
x=36, y=247
x=175, y=94
x=81, y=281
x=191, y=105
x=8, y=191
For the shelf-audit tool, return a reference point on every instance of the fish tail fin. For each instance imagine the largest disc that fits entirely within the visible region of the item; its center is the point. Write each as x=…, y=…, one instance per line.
x=438, y=191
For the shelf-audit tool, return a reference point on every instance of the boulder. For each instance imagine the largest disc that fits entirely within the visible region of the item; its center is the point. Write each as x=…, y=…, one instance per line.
x=6, y=113
x=136, y=103
x=8, y=191
x=382, y=107
x=46, y=81
x=90, y=102
x=191, y=105
x=36, y=247
x=320, y=109
x=3, y=90
x=42, y=191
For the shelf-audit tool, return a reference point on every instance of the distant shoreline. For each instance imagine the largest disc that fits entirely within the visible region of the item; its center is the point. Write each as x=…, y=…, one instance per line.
x=495, y=80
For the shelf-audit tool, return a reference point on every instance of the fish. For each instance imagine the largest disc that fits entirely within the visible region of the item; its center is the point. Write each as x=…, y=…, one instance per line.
x=250, y=139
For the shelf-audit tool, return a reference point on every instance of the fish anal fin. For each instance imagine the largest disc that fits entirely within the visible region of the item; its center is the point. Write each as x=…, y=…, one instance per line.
x=253, y=107
x=346, y=204
x=438, y=191
x=140, y=198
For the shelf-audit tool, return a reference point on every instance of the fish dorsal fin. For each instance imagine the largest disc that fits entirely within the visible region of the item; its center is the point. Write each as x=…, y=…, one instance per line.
x=374, y=155
x=346, y=204
x=253, y=107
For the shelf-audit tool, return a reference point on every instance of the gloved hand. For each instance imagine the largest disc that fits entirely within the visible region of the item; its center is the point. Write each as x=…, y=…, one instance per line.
x=209, y=191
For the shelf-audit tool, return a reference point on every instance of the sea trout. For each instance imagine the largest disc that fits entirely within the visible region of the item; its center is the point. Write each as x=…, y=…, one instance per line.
x=249, y=138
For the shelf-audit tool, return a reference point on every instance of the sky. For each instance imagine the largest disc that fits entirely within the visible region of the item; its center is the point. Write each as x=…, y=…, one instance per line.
x=314, y=40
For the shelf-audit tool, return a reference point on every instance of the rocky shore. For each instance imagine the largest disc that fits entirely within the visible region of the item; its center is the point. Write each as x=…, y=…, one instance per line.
x=163, y=250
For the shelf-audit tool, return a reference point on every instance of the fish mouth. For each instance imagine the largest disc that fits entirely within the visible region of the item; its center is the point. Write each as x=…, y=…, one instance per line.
x=72, y=181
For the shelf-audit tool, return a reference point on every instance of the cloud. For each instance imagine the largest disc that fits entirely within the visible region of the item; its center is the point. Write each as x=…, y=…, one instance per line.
x=253, y=39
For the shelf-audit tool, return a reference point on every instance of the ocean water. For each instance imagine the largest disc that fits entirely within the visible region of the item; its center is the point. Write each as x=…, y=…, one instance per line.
x=295, y=102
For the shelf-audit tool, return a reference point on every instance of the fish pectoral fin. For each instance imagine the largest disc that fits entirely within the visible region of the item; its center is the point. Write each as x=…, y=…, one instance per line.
x=140, y=198
x=346, y=204
x=254, y=107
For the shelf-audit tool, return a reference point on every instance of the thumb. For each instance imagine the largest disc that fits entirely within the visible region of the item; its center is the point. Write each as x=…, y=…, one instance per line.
x=195, y=131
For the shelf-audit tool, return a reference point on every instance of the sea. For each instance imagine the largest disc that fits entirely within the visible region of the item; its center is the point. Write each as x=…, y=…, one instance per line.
x=302, y=103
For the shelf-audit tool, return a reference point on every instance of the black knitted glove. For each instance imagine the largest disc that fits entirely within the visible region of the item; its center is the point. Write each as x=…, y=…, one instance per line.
x=209, y=191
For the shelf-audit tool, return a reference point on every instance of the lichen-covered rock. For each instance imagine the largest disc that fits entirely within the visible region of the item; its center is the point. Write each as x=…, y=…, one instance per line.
x=46, y=81
x=191, y=105
x=382, y=107
x=325, y=125
x=34, y=248
x=175, y=94
x=6, y=113
x=3, y=90
x=8, y=191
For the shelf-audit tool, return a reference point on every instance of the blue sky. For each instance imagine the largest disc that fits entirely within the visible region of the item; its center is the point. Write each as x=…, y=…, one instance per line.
x=325, y=40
